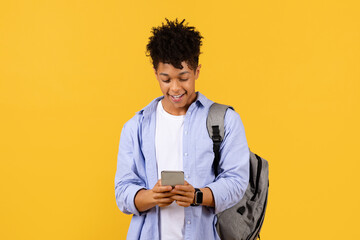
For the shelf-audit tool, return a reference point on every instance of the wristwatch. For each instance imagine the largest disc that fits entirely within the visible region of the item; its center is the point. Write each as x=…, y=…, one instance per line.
x=198, y=197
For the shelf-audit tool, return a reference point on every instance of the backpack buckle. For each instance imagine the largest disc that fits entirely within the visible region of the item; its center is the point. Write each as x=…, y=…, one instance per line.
x=216, y=138
x=216, y=133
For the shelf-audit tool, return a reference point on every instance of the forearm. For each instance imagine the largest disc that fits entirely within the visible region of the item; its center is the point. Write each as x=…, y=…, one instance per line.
x=208, y=198
x=144, y=200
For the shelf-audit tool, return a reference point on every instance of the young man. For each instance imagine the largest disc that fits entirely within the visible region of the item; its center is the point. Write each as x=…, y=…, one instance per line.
x=170, y=134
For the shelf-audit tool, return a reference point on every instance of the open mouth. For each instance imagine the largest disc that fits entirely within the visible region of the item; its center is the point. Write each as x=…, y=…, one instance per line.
x=177, y=98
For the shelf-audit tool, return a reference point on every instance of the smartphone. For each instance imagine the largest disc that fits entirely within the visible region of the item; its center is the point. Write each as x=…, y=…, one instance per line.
x=172, y=178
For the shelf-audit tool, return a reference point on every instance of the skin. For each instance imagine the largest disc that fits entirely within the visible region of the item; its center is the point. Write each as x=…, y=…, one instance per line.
x=174, y=82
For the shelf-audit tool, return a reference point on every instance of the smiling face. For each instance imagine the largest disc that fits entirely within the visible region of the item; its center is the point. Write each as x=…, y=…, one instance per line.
x=178, y=86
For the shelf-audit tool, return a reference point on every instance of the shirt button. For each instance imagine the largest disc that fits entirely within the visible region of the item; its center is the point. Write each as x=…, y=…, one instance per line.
x=188, y=222
x=186, y=154
x=186, y=132
x=187, y=176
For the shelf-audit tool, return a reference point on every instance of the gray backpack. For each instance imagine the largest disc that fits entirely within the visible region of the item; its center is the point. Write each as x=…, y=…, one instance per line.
x=244, y=220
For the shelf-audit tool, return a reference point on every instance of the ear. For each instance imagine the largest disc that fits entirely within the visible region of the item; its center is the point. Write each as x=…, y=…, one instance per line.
x=197, y=71
x=155, y=72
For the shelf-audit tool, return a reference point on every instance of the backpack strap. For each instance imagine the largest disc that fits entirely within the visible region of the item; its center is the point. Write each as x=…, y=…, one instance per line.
x=216, y=129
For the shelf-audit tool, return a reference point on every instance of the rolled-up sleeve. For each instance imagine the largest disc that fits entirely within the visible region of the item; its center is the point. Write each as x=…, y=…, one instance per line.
x=231, y=183
x=127, y=178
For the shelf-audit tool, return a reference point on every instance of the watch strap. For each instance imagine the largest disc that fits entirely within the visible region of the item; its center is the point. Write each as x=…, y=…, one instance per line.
x=197, y=192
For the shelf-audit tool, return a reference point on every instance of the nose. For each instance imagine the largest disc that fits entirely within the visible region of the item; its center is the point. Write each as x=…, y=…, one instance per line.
x=175, y=86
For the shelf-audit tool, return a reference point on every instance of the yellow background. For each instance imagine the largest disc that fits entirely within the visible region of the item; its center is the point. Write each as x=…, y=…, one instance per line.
x=73, y=72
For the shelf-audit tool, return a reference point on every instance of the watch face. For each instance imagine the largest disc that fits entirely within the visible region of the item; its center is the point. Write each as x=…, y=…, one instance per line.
x=199, y=197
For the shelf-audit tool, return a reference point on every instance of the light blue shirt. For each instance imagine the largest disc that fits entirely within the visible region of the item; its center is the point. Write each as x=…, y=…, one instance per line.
x=137, y=169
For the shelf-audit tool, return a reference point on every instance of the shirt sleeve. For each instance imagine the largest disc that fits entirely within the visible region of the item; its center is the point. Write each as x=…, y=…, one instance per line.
x=231, y=183
x=127, y=178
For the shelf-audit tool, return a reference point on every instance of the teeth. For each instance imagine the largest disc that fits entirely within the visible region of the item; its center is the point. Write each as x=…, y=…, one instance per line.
x=178, y=96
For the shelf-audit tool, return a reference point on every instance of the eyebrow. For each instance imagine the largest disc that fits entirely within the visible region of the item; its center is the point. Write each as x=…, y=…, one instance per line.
x=165, y=74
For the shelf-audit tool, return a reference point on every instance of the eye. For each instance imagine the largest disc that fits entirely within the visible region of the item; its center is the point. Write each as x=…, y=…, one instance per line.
x=166, y=81
x=184, y=79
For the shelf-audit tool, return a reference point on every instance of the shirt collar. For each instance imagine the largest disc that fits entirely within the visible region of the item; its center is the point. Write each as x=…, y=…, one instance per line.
x=201, y=100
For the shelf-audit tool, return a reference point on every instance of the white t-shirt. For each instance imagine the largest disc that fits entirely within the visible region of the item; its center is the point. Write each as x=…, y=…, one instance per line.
x=169, y=147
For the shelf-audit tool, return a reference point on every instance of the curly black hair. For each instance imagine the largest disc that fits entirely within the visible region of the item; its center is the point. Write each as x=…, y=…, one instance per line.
x=173, y=43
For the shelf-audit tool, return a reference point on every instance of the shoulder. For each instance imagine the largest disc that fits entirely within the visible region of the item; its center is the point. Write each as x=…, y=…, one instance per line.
x=130, y=128
x=233, y=122
x=134, y=121
x=146, y=112
x=231, y=115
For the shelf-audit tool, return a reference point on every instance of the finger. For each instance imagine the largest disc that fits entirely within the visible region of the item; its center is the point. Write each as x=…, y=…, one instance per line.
x=164, y=201
x=158, y=183
x=161, y=189
x=185, y=188
x=183, y=193
x=182, y=198
x=164, y=189
x=165, y=204
x=163, y=195
x=183, y=204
